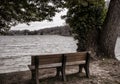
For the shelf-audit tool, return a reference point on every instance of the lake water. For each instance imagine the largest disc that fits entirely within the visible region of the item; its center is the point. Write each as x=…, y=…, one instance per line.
x=117, y=48
x=15, y=51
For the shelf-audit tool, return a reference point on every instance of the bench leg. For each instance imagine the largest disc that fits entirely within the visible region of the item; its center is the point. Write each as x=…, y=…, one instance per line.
x=33, y=74
x=80, y=68
x=63, y=74
x=87, y=71
x=58, y=71
x=36, y=76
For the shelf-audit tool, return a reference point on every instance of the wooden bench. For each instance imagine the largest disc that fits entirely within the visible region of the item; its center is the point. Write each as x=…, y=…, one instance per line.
x=46, y=61
x=59, y=61
x=82, y=59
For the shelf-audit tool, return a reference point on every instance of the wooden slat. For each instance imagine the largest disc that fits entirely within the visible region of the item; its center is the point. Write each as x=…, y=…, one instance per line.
x=50, y=65
x=75, y=63
x=50, y=60
x=32, y=67
x=59, y=61
x=33, y=60
x=80, y=58
x=50, y=56
x=47, y=59
x=76, y=56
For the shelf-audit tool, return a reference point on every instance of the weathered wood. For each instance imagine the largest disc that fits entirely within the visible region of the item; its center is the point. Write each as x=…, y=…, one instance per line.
x=82, y=59
x=79, y=56
x=32, y=67
x=80, y=68
x=75, y=62
x=48, y=59
x=63, y=68
x=44, y=61
x=59, y=61
x=58, y=71
x=32, y=60
x=33, y=74
x=87, y=65
x=36, y=70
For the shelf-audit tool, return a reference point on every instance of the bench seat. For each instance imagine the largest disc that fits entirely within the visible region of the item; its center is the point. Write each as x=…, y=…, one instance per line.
x=75, y=63
x=32, y=67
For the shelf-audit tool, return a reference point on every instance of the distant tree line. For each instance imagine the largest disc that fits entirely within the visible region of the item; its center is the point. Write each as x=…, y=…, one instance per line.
x=59, y=30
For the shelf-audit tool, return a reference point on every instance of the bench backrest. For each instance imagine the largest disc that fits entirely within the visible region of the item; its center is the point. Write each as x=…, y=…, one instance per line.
x=78, y=56
x=47, y=59
x=60, y=58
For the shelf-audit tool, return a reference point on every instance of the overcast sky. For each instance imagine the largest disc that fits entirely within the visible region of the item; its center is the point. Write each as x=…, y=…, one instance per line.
x=57, y=21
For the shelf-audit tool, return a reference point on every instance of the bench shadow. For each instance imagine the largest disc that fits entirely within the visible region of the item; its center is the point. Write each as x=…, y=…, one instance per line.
x=58, y=80
x=25, y=78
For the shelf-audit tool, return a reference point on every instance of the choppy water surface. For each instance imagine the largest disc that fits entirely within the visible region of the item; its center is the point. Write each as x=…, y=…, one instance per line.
x=15, y=51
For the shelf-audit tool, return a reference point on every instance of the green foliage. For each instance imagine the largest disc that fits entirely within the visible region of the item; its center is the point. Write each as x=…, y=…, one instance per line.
x=13, y=12
x=84, y=16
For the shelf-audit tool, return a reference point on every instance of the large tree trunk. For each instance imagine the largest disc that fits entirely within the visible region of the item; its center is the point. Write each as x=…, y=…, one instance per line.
x=110, y=29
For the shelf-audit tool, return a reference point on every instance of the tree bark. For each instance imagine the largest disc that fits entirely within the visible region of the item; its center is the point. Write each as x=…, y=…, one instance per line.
x=110, y=29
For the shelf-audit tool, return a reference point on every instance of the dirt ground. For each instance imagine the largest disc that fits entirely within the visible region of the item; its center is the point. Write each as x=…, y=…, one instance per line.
x=102, y=71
